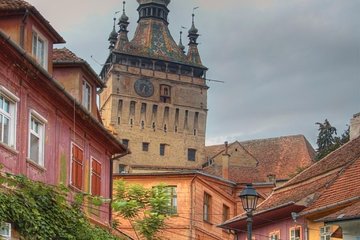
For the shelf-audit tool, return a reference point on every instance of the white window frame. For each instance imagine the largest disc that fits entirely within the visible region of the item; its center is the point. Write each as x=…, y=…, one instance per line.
x=3, y=226
x=39, y=37
x=273, y=234
x=324, y=234
x=86, y=102
x=12, y=115
x=293, y=230
x=173, y=201
x=41, y=135
x=91, y=172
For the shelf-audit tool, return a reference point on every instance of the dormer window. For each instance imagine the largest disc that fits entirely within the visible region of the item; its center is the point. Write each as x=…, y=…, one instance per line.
x=39, y=48
x=86, y=95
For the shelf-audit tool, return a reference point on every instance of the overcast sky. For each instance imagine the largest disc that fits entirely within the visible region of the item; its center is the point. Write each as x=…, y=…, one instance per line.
x=286, y=63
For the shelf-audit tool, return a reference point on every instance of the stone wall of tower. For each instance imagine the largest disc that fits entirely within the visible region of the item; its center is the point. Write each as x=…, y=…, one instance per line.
x=179, y=125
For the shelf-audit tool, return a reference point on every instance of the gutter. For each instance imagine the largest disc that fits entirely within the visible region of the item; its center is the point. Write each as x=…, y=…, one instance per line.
x=61, y=88
x=243, y=217
x=338, y=204
x=127, y=151
x=192, y=206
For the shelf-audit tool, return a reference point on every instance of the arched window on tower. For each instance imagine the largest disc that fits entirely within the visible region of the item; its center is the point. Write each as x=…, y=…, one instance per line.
x=120, y=106
x=132, y=108
x=196, y=123
x=177, y=113
x=186, y=119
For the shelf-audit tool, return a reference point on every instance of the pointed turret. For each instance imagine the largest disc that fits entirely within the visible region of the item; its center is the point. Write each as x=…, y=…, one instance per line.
x=181, y=46
x=193, y=52
x=113, y=37
x=123, y=24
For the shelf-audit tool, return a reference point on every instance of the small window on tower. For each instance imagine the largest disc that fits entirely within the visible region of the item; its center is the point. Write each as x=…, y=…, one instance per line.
x=191, y=154
x=162, y=149
x=145, y=147
x=125, y=142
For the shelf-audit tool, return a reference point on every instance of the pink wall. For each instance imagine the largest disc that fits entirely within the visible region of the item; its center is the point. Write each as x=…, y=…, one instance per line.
x=283, y=226
x=35, y=93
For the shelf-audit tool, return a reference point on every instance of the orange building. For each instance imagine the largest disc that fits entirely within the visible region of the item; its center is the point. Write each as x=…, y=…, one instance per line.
x=202, y=202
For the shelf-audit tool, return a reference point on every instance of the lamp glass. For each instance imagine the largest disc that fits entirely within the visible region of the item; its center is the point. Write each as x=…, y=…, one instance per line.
x=249, y=198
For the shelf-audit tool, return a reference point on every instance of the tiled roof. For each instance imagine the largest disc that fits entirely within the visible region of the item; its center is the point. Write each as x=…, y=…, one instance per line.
x=65, y=55
x=8, y=7
x=281, y=157
x=152, y=39
x=301, y=194
x=342, y=156
x=329, y=181
x=346, y=186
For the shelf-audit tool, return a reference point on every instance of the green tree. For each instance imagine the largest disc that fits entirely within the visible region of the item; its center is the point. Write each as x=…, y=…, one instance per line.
x=42, y=212
x=328, y=140
x=145, y=208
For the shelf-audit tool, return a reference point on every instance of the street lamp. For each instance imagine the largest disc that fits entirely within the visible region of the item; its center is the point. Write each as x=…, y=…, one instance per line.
x=249, y=198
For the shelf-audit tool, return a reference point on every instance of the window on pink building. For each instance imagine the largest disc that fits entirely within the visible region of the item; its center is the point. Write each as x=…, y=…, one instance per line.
x=77, y=161
x=295, y=233
x=95, y=177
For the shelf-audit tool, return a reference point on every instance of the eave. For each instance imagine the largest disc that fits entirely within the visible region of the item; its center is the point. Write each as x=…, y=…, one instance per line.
x=265, y=217
x=37, y=15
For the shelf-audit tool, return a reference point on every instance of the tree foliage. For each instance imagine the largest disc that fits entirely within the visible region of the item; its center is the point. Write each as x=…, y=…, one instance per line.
x=328, y=140
x=42, y=212
x=147, y=209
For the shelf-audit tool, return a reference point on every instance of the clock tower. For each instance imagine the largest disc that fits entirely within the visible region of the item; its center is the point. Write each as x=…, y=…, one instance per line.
x=156, y=95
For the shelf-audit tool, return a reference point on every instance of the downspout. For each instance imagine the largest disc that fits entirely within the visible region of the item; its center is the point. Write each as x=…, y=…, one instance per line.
x=111, y=192
x=192, y=206
x=22, y=28
x=112, y=181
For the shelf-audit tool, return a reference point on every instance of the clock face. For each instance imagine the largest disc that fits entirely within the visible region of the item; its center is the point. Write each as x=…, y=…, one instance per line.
x=144, y=87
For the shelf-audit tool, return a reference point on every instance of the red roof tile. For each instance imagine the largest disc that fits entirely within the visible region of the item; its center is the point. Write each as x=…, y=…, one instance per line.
x=9, y=7
x=281, y=157
x=329, y=181
x=65, y=55
x=342, y=156
x=346, y=186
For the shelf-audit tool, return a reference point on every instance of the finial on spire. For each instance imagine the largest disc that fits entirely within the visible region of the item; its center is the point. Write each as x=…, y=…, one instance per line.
x=124, y=3
x=181, y=46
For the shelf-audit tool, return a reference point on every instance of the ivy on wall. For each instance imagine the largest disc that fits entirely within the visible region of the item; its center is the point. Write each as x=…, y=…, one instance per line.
x=42, y=212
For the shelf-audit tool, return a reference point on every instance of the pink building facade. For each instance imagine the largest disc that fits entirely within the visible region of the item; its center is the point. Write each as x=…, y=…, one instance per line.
x=46, y=133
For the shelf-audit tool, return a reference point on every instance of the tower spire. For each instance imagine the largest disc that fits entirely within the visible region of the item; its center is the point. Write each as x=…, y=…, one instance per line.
x=123, y=20
x=123, y=24
x=193, y=52
x=181, y=46
x=113, y=37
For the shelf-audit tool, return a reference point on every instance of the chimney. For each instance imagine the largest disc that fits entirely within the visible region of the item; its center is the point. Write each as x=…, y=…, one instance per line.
x=272, y=178
x=355, y=126
x=225, y=162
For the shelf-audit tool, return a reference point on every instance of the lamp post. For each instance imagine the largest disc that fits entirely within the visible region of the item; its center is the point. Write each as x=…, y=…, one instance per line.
x=249, y=198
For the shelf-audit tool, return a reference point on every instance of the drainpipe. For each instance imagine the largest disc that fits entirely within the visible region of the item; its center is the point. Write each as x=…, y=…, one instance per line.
x=22, y=28
x=111, y=192
x=112, y=181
